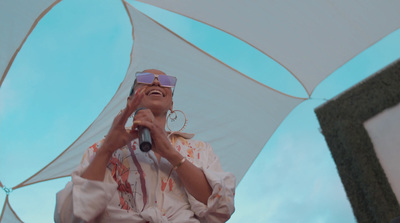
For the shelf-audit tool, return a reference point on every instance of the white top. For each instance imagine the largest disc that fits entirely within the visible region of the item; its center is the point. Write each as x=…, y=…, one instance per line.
x=137, y=188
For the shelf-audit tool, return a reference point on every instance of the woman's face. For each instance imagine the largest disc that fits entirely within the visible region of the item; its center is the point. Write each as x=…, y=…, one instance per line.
x=156, y=98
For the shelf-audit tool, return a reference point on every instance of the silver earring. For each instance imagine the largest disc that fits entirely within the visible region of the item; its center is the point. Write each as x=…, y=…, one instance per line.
x=173, y=117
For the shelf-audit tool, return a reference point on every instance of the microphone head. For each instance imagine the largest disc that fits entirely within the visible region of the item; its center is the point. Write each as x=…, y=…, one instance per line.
x=144, y=139
x=145, y=146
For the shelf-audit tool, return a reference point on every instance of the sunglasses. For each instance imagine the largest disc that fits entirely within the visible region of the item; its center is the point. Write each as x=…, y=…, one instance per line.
x=148, y=78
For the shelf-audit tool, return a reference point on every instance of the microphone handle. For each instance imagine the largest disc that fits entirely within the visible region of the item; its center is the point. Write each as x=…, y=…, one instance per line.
x=144, y=139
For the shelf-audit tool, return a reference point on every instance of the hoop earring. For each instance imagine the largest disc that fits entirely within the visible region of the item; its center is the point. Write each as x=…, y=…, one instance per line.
x=173, y=116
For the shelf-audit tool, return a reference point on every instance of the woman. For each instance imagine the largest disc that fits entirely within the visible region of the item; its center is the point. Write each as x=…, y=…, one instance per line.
x=178, y=180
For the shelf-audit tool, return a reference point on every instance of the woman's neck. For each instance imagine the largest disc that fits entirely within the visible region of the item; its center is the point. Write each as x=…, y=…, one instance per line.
x=160, y=121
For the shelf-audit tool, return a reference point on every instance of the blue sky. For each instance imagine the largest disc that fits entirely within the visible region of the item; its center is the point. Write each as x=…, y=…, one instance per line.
x=72, y=64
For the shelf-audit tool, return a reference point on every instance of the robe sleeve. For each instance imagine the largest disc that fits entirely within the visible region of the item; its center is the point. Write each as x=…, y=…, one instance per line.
x=84, y=200
x=220, y=205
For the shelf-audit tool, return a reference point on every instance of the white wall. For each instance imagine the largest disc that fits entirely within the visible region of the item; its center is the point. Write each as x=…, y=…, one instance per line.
x=384, y=131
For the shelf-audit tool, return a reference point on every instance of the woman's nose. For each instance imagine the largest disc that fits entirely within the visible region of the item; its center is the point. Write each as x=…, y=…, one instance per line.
x=156, y=81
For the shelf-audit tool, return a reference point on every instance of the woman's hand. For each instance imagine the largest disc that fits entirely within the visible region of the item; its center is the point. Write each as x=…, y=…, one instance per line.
x=160, y=142
x=192, y=177
x=118, y=136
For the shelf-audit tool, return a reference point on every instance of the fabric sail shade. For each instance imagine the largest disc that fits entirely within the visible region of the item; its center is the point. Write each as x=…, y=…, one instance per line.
x=217, y=113
x=17, y=20
x=310, y=39
x=226, y=108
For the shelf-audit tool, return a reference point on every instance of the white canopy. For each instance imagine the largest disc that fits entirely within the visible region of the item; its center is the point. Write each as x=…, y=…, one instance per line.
x=17, y=20
x=311, y=39
x=8, y=214
x=214, y=97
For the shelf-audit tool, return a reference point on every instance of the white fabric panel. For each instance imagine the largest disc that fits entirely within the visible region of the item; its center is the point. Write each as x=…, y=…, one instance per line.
x=17, y=20
x=224, y=107
x=66, y=162
x=383, y=130
x=310, y=38
x=234, y=113
x=8, y=215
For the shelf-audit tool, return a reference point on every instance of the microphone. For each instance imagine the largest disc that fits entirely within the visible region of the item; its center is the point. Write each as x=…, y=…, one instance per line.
x=144, y=137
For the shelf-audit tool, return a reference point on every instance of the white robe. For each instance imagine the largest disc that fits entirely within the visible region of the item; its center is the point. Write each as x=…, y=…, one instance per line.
x=137, y=188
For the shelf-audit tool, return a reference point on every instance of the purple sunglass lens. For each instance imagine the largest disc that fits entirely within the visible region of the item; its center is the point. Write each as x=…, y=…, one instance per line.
x=146, y=78
x=167, y=81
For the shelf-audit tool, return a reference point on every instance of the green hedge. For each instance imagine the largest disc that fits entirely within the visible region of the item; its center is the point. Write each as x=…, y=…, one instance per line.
x=341, y=120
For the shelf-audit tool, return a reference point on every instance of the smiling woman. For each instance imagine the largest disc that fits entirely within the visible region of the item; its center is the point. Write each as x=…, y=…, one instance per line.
x=75, y=59
x=130, y=185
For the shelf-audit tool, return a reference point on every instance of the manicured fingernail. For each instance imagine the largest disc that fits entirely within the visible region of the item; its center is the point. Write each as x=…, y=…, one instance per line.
x=136, y=122
x=137, y=92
